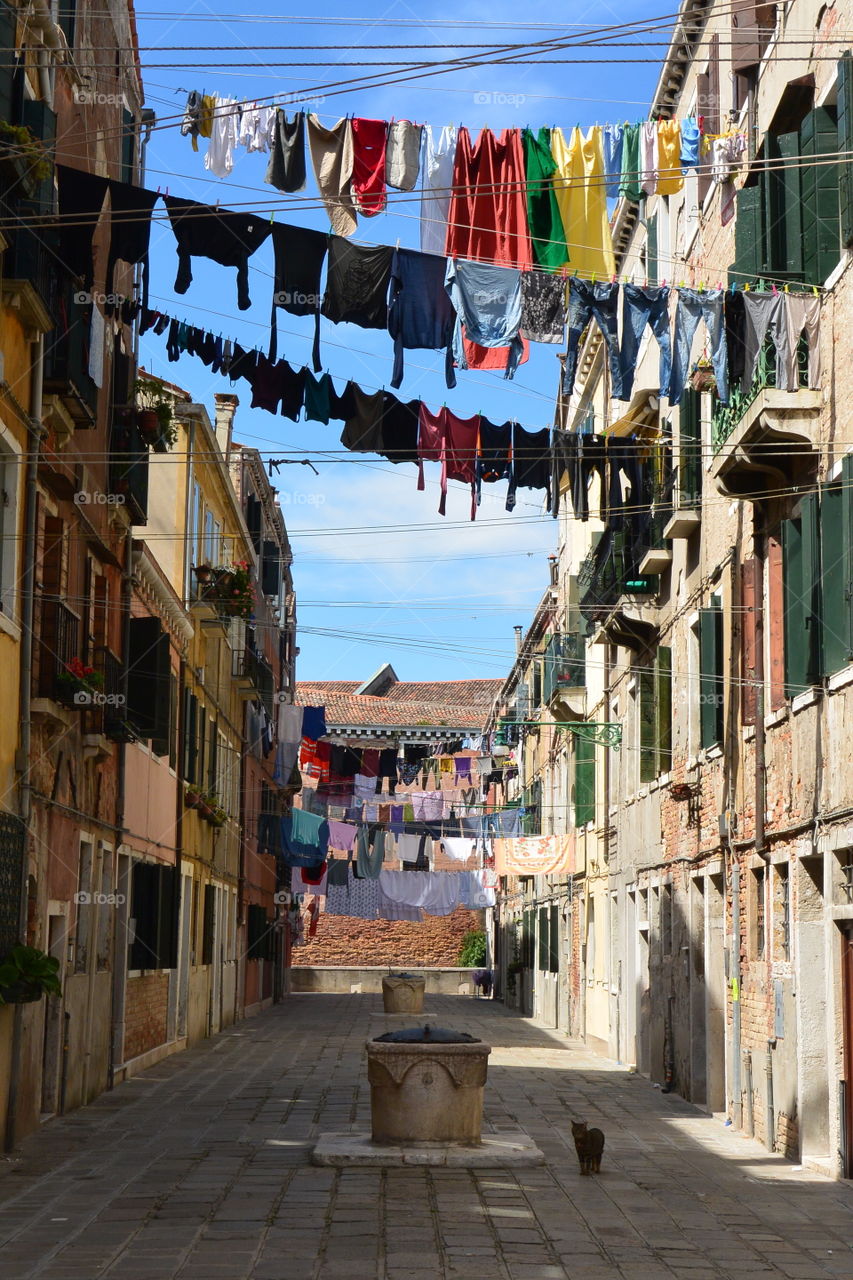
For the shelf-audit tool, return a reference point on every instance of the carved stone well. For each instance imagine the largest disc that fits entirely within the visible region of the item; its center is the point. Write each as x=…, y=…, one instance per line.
x=426, y=1085
x=403, y=993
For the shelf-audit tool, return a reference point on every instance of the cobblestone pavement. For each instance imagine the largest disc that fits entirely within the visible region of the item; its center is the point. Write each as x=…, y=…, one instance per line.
x=199, y=1169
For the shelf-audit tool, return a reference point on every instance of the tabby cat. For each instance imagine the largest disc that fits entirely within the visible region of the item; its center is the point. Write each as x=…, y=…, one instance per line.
x=589, y=1144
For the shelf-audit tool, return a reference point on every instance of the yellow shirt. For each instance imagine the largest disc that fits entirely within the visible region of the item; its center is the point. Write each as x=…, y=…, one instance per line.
x=670, y=177
x=579, y=183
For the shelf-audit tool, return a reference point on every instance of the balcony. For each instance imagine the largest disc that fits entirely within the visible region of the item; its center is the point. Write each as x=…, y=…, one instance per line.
x=657, y=556
x=112, y=708
x=253, y=676
x=686, y=515
x=763, y=440
x=611, y=584
x=57, y=648
x=29, y=285
x=129, y=467
x=564, y=679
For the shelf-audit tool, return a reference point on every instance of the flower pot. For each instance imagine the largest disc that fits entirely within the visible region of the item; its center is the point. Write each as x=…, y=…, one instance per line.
x=703, y=379
x=148, y=424
x=22, y=992
x=204, y=809
x=192, y=799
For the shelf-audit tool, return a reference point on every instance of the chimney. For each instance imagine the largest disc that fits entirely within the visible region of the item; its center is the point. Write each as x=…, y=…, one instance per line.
x=518, y=631
x=226, y=407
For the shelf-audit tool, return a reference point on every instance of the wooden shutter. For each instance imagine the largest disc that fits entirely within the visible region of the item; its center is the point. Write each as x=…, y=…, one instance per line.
x=168, y=901
x=544, y=939
x=648, y=721
x=834, y=602
x=212, y=780
x=652, y=249
x=143, y=910
x=784, y=215
x=584, y=782
x=820, y=181
x=775, y=621
x=690, y=450
x=208, y=922
x=796, y=653
x=745, y=51
x=271, y=569
x=812, y=595
x=663, y=688
x=201, y=739
x=845, y=146
x=554, y=943
x=148, y=681
x=710, y=676
x=749, y=693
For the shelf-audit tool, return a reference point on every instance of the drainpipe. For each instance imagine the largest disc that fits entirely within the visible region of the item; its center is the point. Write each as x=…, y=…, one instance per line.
x=54, y=47
x=758, y=604
x=36, y=434
x=119, y=985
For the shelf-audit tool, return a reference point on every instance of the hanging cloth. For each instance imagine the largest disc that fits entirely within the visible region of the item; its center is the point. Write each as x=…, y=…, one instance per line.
x=543, y=307
x=487, y=301
x=286, y=168
x=299, y=256
x=420, y=314
x=437, y=159
x=629, y=186
x=543, y=210
x=648, y=157
x=357, y=284
x=230, y=239
x=487, y=221
x=403, y=155
x=612, y=136
x=369, y=139
x=583, y=203
x=670, y=177
x=332, y=161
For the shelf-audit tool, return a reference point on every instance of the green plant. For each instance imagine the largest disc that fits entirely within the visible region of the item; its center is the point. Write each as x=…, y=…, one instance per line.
x=472, y=953
x=232, y=587
x=23, y=144
x=27, y=974
x=150, y=396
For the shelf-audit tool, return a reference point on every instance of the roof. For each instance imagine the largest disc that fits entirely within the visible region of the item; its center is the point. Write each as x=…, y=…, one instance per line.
x=458, y=704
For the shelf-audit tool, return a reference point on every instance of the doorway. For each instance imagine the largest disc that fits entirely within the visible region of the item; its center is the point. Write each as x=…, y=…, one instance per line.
x=846, y=1090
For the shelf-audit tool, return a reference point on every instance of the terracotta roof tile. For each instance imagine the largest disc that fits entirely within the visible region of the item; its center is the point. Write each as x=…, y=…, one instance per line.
x=461, y=704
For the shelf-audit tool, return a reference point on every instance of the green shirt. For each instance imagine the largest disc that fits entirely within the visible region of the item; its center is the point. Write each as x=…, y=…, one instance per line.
x=543, y=211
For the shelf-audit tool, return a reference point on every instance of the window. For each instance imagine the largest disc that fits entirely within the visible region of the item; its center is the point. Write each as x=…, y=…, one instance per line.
x=149, y=694
x=788, y=225
x=666, y=919
x=845, y=146
x=584, y=789
x=710, y=676
x=154, y=916
x=9, y=474
x=690, y=450
x=554, y=948
x=655, y=714
x=106, y=913
x=590, y=940
x=209, y=553
x=817, y=573
x=208, y=926
x=782, y=911
x=84, y=903
x=544, y=939
x=756, y=923
x=260, y=935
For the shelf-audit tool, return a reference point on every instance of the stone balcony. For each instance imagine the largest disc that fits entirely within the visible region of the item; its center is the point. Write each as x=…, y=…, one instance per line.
x=764, y=440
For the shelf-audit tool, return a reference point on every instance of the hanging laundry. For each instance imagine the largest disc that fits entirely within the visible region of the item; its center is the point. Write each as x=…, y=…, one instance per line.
x=629, y=185
x=691, y=137
x=310, y=880
x=487, y=301
x=370, y=851
x=420, y=313
x=695, y=305
x=436, y=181
x=357, y=284
x=494, y=454
x=670, y=177
x=313, y=722
x=487, y=219
x=223, y=138
x=369, y=139
x=765, y=313
x=641, y=307
x=579, y=184
x=225, y=237
x=612, y=137
x=458, y=849
x=400, y=423
x=388, y=910
x=531, y=461
x=543, y=210
x=192, y=118
x=305, y=838
x=342, y=836
x=403, y=155
x=318, y=398
x=286, y=170
x=255, y=129
x=453, y=442
x=543, y=307
x=332, y=160
x=580, y=456
x=436, y=892
x=363, y=431
x=648, y=157
x=597, y=302
x=803, y=315
x=475, y=890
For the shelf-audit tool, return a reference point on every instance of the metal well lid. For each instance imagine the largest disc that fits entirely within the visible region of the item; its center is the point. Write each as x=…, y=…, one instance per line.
x=409, y=976
x=426, y=1035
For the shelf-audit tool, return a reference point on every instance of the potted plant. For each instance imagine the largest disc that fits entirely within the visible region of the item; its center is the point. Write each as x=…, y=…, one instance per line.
x=77, y=682
x=192, y=797
x=27, y=974
x=23, y=157
x=234, y=590
x=702, y=375
x=154, y=416
x=219, y=816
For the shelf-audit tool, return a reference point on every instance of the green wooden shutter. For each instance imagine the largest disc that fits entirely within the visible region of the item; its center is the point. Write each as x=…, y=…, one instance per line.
x=749, y=235
x=710, y=676
x=835, y=605
x=584, y=782
x=652, y=249
x=663, y=682
x=811, y=586
x=208, y=924
x=845, y=146
x=796, y=641
x=148, y=679
x=821, y=225
x=554, y=945
x=786, y=215
x=690, y=450
x=648, y=723
x=544, y=939
x=847, y=536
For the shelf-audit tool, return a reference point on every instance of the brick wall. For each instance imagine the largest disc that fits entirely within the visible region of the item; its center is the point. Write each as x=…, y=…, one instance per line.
x=145, y=1013
x=433, y=943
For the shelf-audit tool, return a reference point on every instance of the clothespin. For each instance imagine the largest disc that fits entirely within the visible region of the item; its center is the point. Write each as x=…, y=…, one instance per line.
x=719, y=284
x=786, y=288
x=746, y=287
x=593, y=277
x=701, y=286
x=814, y=290
x=272, y=218
x=663, y=284
x=613, y=279
x=774, y=290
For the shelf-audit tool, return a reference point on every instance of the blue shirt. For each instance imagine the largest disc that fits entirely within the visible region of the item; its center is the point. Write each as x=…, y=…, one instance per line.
x=305, y=837
x=612, y=136
x=420, y=313
x=690, y=138
x=487, y=301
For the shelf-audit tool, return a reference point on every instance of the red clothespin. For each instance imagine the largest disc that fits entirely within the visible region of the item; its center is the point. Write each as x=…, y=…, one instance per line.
x=774, y=291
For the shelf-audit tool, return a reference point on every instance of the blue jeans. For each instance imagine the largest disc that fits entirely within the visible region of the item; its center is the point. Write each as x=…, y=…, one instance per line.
x=639, y=308
x=694, y=306
x=597, y=302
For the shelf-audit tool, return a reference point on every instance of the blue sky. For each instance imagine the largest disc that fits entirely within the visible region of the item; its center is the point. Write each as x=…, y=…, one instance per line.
x=380, y=576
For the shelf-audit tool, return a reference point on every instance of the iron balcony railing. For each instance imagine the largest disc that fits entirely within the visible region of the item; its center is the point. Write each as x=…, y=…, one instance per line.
x=129, y=468
x=565, y=664
x=250, y=664
x=112, y=707
x=58, y=645
x=609, y=572
x=726, y=418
